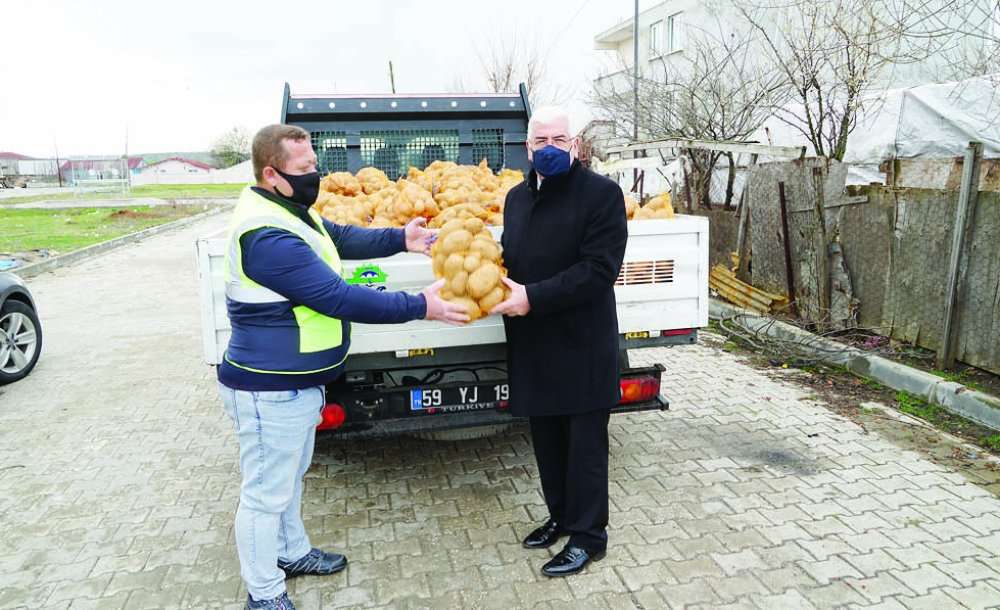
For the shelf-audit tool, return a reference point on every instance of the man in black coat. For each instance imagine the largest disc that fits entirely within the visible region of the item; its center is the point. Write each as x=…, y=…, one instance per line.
x=564, y=240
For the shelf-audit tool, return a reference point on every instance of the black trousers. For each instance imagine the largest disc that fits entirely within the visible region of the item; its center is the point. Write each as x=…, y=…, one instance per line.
x=572, y=456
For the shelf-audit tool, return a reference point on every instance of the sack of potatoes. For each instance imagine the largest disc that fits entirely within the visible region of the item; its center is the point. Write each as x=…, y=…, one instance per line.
x=469, y=259
x=658, y=207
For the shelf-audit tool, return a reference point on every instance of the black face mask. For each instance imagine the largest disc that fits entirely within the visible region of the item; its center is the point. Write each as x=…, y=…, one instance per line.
x=305, y=188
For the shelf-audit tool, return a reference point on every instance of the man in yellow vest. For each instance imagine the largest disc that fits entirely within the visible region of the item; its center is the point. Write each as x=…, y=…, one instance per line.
x=290, y=312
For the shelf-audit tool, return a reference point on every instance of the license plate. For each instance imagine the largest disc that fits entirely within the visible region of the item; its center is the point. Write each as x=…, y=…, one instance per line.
x=459, y=398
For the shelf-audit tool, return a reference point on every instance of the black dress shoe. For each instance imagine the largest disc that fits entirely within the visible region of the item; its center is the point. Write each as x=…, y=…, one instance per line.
x=570, y=560
x=544, y=537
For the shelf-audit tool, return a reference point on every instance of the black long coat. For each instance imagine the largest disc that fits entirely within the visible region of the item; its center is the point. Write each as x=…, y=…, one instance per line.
x=565, y=242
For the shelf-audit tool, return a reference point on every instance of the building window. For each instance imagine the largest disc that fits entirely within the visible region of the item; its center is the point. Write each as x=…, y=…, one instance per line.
x=675, y=33
x=655, y=43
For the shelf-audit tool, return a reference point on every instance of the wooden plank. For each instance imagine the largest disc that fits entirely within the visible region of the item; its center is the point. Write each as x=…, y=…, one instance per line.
x=742, y=251
x=783, y=152
x=843, y=201
x=963, y=214
x=617, y=165
x=822, y=248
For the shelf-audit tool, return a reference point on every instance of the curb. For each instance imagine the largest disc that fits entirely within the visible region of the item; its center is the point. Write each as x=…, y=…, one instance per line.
x=953, y=397
x=76, y=256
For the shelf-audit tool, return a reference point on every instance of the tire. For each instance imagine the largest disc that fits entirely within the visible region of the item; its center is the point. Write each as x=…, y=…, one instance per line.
x=462, y=434
x=18, y=353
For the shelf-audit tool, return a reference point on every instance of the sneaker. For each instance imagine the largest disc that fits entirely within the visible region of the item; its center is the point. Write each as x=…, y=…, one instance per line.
x=317, y=562
x=278, y=603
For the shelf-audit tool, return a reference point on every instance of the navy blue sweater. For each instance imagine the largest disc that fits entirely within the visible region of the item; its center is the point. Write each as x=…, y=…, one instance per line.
x=283, y=262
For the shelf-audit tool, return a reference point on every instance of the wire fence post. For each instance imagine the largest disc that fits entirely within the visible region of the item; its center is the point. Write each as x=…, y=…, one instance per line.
x=967, y=196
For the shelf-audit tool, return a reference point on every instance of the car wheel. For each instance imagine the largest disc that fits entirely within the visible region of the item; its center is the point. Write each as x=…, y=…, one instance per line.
x=20, y=341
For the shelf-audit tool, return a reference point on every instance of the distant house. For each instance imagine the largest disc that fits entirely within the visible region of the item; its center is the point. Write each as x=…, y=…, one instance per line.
x=98, y=168
x=176, y=165
x=174, y=170
x=9, y=162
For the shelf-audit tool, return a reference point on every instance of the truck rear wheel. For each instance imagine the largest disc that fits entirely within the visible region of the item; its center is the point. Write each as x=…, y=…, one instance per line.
x=463, y=434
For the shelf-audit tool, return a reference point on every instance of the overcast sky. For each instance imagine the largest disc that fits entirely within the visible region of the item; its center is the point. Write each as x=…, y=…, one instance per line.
x=177, y=74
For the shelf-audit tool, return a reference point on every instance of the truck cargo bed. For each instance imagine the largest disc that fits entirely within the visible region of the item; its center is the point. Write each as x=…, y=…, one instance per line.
x=663, y=286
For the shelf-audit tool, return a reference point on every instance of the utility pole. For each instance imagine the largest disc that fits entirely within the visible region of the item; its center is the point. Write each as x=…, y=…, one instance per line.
x=55, y=144
x=635, y=74
x=127, y=186
x=635, y=86
x=392, y=77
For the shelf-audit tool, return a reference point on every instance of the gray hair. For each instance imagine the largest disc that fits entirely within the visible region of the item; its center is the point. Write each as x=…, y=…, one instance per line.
x=547, y=114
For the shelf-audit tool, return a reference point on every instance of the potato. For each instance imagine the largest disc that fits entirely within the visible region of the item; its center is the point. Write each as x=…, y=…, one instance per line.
x=456, y=241
x=487, y=248
x=483, y=280
x=472, y=262
x=453, y=264
x=458, y=283
x=491, y=300
x=452, y=225
x=471, y=307
x=438, y=264
x=474, y=226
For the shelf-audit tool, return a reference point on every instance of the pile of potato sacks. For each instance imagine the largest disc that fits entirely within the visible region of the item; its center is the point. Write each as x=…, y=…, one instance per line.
x=461, y=201
x=370, y=199
x=658, y=207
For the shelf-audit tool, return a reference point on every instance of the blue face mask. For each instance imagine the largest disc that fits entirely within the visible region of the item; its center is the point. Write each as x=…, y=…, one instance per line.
x=551, y=161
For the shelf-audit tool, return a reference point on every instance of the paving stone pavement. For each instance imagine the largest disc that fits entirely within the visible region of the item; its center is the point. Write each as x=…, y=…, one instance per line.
x=119, y=481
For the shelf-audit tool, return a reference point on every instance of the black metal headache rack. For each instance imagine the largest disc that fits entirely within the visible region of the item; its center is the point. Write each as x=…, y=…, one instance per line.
x=395, y=132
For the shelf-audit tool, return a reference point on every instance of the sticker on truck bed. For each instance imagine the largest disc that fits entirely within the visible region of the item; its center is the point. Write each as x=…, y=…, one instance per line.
x=371, y=276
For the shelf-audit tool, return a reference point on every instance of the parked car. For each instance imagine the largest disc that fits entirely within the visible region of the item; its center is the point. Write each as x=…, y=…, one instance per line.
x=20, y=330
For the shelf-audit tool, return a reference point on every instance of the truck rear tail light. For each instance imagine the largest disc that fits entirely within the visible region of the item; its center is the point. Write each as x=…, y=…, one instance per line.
x=333, y=417
x=676, y=332
x=639, y=389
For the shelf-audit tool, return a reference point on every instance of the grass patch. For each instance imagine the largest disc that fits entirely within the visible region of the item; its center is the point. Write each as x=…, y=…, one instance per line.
x=74, y=228
x=949, y=422
x=161, y=191
x=961, y=377
x=871, y=383
x=992, y=442
x=918, y=407
x=183, y=191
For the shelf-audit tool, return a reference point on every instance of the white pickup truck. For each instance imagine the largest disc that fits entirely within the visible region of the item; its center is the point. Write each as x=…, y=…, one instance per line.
x=428, y=377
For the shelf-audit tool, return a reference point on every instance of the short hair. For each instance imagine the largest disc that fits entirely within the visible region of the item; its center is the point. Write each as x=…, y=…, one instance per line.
x=268, y=148
x=547, y=114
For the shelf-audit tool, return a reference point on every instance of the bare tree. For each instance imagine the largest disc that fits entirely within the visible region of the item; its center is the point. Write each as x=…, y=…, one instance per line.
x=506, y=60
x=966, y=34
x=834, y=56
x=714, y=90
x=232, y=147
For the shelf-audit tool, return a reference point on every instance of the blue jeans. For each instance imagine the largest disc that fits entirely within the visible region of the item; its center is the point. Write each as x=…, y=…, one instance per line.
x=277, y=432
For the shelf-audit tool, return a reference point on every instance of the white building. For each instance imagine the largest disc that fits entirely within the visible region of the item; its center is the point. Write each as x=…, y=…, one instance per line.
x=173, y=170
x=663, y=30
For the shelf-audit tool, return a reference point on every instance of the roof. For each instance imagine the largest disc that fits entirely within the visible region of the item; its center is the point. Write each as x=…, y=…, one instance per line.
x=611, y=37
x=193, y=162
x=133, y=162
x=15, y=156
